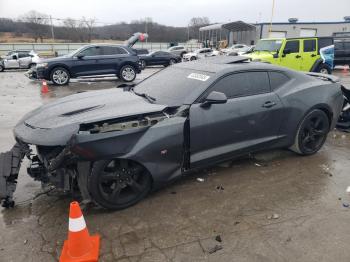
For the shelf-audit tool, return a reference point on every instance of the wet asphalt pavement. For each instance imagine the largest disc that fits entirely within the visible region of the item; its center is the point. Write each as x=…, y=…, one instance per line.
x=273, y=206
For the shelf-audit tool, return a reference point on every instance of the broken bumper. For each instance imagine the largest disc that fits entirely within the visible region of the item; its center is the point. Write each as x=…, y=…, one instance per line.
x=10, y=163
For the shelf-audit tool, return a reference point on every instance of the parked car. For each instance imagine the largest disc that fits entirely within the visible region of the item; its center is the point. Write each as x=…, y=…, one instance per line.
x=243, y=51
x=177, y=50
x=159, y=58
x=234, y=48
x=91, y=60
x=19, y=60
x=199, y=53
x=118, y=144
x=301, y=54
x=342, y=52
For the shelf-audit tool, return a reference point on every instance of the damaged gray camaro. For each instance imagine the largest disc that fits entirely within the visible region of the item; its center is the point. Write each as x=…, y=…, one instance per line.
x=117, y=145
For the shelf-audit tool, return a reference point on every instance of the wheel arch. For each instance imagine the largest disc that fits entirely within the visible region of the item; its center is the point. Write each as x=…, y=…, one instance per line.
x=60, y=65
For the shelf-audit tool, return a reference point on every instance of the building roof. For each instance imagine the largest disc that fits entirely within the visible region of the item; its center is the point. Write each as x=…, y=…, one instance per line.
x=304, y=23
x=232, y=26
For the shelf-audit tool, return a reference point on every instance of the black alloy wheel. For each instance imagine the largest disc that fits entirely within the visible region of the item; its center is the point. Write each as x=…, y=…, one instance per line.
x=117, y=184
x=312, y=133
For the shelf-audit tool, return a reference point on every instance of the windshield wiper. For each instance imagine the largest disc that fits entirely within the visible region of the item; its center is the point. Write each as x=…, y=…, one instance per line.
x=151, y=99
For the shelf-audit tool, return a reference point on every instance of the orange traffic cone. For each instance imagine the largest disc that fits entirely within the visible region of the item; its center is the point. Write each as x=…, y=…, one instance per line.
x=80, y=246
x=44, y=88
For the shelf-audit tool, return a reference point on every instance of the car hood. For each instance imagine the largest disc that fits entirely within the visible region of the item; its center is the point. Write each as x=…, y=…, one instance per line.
x=89, y=107
x=55, y=59
x=261, y=55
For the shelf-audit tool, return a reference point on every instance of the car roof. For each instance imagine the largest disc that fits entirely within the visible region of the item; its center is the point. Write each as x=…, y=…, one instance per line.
x=227, y=64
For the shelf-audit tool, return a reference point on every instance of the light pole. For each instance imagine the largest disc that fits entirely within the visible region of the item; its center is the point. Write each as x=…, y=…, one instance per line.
x=52, y=33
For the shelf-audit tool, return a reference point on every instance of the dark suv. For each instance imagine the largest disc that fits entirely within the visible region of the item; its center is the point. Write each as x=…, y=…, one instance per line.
x=91, y=60
x=342, y=52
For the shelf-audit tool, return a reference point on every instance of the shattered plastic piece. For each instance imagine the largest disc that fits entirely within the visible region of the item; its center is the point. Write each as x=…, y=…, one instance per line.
x=220, y=187
x=236, y=223
x=218, y=238
x=348, y=189
x=274, y=216
x=346, y=205
x=199, y=179
x=257, y=164
x=214, y=249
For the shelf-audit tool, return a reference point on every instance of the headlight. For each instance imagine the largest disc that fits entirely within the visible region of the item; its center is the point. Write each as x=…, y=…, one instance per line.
x=42, y=65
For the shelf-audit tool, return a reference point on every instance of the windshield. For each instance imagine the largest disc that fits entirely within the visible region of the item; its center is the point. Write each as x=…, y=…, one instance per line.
x=172, y=85
x=268, y=45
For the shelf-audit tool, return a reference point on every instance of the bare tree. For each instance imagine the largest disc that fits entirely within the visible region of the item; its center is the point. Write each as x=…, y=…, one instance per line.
x=89, y=24
x=194, y=25
x=36, y=23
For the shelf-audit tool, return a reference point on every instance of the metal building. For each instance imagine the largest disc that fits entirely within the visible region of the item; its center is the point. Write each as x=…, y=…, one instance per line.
x=245, y=33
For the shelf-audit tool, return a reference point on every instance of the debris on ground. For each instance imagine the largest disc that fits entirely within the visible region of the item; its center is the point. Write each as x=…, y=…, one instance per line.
x=199, y=179
x=273, y=216
x=348, y=189
x=346, y=205
x=225, y=164
x=218, y=238
x=214, y=249
x=236, y=223
x=25, y=241
x=220, y=188
x=173, y=192
x=257, y=164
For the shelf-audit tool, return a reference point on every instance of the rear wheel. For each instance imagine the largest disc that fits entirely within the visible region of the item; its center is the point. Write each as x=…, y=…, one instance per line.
x=193, y=58
x=312, y=133
x=117, y=184
x=324, y=69
x=32, y=66
x=143, y=64
x=60, y=76
x=2, y=68
x=127, y=73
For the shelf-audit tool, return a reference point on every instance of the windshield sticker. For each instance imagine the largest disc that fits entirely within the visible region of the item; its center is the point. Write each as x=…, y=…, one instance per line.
x=199, y=77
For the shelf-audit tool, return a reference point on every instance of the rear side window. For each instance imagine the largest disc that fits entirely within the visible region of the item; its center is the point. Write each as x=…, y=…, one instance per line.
x=310, y=45
x=21, y=55
x=277, y=79
x=112, y=50
x=243, y=84
x=293, y=46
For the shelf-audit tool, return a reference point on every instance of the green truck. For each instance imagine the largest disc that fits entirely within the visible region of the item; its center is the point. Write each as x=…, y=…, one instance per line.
x=302, y=54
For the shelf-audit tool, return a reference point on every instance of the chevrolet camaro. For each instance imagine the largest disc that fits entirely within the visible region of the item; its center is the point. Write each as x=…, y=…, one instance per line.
x=117, y=145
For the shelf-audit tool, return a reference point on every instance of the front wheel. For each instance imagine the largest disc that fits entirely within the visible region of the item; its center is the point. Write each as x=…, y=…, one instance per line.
x=324, y=69
x=127, y=73
x=143, y=64
x=119, y=183
x=193, y=58
x=60, y=76
x=312, y=133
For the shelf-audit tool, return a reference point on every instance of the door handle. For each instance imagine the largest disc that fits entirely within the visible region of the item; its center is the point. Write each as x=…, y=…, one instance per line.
x=297, y=56
x=313, y=55
x=269, y=104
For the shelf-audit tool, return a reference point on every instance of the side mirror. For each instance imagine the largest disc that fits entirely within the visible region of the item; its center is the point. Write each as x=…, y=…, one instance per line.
x=80, y=56
x=275, y=55
x=215, y=98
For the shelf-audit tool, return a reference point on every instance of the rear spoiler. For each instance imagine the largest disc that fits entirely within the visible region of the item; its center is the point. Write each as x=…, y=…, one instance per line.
x=333, y=79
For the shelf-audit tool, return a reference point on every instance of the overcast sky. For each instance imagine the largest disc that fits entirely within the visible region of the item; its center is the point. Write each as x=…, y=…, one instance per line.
x=178, y=13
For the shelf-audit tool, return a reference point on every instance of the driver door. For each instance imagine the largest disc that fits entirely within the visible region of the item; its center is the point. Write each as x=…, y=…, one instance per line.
x=12, y=62
x=249, y=120
x=291, y=55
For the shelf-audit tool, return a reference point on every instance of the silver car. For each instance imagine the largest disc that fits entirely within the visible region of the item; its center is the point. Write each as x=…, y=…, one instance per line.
x=178, y=50
x=19, y=60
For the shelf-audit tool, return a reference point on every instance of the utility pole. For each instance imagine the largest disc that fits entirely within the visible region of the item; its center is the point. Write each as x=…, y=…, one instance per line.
x=52, y=33
x=188, y=32
x=272, y=11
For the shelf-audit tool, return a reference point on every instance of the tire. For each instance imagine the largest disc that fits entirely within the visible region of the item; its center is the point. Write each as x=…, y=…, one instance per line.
x=193, y=58
x=172, y=61
x=143, y=64
x=312, y=133
x=59, y=76
x=127, y=73
x=324, y=69
x=117, y=184
x=2, y=68
x=31, y=66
